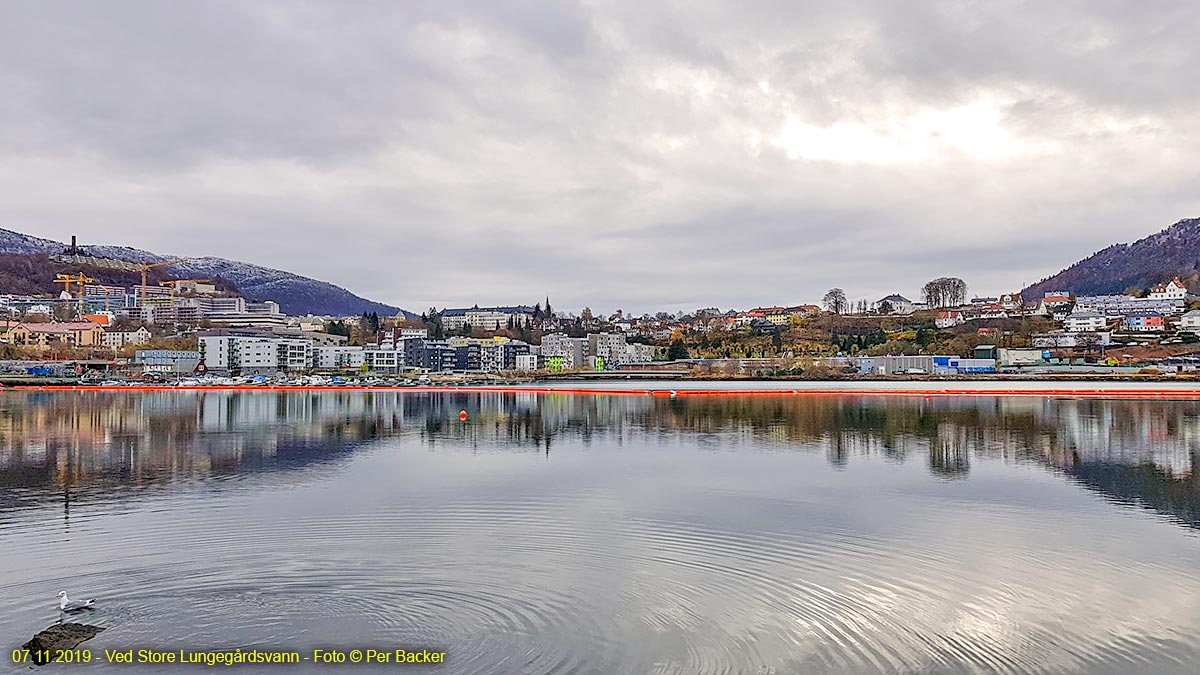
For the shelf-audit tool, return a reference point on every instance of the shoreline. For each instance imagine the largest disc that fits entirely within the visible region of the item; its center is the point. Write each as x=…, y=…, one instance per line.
x=673, y=389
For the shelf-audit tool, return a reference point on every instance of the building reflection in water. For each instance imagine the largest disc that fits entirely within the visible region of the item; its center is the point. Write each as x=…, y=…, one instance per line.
x=60, y=444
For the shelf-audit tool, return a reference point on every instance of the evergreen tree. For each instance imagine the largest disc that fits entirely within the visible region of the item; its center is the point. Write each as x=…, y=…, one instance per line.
x=677, y=351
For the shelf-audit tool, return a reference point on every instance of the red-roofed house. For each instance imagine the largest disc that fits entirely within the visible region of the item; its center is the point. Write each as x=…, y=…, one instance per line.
x=948, y=319
x=1172, y=290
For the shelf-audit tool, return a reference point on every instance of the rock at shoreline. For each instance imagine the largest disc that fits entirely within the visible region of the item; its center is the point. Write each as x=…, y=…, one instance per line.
x=60, y=636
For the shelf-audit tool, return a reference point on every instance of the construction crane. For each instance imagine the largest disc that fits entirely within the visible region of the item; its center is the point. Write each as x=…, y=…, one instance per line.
x=174, y=283
x=67, y=279
x=146, y=267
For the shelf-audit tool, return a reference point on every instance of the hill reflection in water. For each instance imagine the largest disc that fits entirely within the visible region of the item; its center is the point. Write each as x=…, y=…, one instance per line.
x=52, y=443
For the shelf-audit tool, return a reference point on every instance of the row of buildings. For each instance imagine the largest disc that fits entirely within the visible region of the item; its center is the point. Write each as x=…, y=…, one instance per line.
x=190, y=302
x=250, y=352
x=1160, y=310
x=70, y=334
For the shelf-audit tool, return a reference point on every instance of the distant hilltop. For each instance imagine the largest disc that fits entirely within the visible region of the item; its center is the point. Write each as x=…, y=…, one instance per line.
x=1174, y=252
x=296, y=295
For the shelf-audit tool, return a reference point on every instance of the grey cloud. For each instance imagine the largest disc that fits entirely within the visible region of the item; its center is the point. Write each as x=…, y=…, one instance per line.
x=608, y=154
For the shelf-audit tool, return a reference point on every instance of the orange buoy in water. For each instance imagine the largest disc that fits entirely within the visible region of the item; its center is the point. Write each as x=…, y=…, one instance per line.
x=462, y=415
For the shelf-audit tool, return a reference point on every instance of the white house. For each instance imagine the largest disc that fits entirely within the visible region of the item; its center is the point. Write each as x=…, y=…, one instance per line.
x=1085, y=322
x=1172, y=290
x=1011, y=301
x=898, y=303
x=948, y=319
x=1190, y=320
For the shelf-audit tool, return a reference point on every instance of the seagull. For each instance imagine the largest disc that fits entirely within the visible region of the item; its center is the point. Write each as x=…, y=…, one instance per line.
x=66, y=604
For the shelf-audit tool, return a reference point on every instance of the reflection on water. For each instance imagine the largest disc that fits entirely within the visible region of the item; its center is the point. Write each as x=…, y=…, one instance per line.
x=1137, y=451
x=603, y=534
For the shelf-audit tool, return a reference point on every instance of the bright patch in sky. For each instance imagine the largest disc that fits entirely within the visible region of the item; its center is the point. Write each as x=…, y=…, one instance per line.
x=975, y=130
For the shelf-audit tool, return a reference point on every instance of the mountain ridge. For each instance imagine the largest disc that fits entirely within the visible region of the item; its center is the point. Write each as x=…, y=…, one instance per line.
x=296, y=294
x=1159, y=257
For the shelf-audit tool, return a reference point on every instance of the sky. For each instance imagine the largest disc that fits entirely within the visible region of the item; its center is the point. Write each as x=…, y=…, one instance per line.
x=637, y=155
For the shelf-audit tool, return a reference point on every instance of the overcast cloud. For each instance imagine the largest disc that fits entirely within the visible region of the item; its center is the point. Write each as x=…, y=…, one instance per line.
x=612, y=154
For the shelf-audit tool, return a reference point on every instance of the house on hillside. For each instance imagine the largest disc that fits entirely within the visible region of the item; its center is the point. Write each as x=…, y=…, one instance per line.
x=1012, y=301
x=894, y=304
x=948, y=319
x=995, y=311
x=1172, y=290
x=1047, y=305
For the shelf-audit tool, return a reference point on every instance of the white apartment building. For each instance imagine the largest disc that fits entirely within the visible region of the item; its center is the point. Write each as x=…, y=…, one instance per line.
x=339, y=358
x=255, y=355
x=1115, y=305
x=572, y=350
x=115, y=339
x=491, y=356
x=1085, y=322
x=1190, y=320
x=389, y=361
x=527, y=362
x=636, y=352
x=294, y=355
x=608, y=346
x=394, y=339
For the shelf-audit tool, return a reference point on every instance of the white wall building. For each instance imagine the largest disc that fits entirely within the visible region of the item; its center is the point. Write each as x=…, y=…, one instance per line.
x=572, y=350
x=898, y=303
x=1190, y=320
x=387, y=361
x=116, y=339
x=1172, y=290
x=256, y=355
x=607, y=346
x=339, y=358
x=1084, y=322
x=394, y=339
x=636, y=352
x=487, y=318
x=948, y=319
x=527, y=362
x=294, y=355
x=1117, y=305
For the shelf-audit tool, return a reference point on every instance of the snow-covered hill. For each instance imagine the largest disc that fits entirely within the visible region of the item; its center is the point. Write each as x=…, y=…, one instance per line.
x=295, y=294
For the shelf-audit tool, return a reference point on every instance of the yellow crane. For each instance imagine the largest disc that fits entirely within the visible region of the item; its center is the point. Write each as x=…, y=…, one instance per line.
x=67, y=279
x=146, y=267
x=174, y=283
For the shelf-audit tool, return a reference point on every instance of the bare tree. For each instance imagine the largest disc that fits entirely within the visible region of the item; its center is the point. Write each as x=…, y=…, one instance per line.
x=835, y=300
x=945, y=292
x=1088, y=342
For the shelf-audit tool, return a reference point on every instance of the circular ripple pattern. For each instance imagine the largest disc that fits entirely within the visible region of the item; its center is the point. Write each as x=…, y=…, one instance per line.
x=683, y=559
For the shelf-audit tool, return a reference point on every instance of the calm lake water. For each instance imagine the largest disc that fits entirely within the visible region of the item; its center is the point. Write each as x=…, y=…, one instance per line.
x=611, y=534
